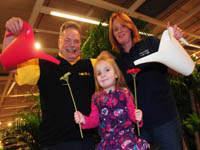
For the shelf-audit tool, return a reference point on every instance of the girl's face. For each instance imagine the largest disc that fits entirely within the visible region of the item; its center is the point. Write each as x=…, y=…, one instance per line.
x=121, y=33
x=106, y=76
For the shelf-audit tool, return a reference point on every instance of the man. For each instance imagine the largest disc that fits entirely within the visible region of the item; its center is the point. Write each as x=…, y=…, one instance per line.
x=58, y=130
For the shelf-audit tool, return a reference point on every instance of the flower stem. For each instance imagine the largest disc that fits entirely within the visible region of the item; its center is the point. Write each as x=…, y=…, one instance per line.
x=66, y=78
x=70, y=90
x=135, y=93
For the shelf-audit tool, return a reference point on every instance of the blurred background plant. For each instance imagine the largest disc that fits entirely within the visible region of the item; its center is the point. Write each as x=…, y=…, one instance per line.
x=186, y=91
x=24, y=132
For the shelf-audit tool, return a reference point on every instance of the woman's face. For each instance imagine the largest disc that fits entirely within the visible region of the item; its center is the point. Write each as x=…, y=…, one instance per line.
x=121, y=33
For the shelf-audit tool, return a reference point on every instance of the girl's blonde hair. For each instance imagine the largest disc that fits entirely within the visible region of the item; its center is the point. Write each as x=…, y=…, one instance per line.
x=108, y=57
x=126, y=21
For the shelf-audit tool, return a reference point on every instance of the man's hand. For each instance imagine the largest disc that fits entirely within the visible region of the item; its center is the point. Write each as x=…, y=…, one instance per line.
x=14, y=25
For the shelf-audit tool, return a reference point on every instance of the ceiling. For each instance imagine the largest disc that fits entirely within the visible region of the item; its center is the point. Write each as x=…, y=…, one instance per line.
x=184, y=13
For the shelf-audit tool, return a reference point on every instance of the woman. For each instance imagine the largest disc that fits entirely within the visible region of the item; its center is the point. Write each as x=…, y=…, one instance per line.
x=155, y=99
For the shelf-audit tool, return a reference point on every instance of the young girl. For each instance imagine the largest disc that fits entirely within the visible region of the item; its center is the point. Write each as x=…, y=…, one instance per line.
x=113, y=110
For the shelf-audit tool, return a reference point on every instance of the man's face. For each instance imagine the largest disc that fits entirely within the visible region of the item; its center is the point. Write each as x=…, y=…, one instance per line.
x=69, y=44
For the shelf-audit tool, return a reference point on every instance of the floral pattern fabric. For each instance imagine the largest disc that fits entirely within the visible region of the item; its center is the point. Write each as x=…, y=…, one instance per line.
x=116, y=128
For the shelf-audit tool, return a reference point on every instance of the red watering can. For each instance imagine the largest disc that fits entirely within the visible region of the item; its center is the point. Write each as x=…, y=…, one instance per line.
x=22, y=49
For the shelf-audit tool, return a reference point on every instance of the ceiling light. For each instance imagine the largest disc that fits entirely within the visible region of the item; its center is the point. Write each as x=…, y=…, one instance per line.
x=54, y=13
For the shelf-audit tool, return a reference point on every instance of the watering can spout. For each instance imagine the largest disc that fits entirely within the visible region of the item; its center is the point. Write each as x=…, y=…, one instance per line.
x=155, y=57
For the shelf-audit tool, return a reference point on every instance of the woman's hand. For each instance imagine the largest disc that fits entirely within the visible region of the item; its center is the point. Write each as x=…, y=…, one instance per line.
x=138, y=115
x=79, y=118
x=177, y=32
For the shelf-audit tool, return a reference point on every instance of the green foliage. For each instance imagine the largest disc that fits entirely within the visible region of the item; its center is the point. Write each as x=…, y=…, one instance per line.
x=97, y=40
x=181, y=86
x=28, y=129
x=181, y=92
x=194, y=83
x=25, y=130
x=192, y=122
x=141, y=26
x=186, y=90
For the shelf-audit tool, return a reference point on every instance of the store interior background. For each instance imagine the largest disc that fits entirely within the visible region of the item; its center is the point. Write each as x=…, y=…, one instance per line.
x=184, y=13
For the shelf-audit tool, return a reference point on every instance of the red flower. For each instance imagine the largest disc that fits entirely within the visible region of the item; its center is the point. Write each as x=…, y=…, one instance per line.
x=133, y=71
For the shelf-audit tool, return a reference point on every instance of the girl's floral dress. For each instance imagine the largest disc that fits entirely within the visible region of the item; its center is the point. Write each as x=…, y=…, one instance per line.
x=113, y=113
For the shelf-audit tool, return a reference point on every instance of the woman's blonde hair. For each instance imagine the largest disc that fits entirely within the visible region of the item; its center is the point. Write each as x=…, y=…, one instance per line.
x=126, y=21
x=108, y=57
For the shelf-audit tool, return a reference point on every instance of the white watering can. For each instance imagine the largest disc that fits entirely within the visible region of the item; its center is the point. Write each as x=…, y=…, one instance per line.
x=171, y=54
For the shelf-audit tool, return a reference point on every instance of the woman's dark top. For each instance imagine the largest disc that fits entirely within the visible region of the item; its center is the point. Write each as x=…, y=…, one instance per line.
x=154, y=95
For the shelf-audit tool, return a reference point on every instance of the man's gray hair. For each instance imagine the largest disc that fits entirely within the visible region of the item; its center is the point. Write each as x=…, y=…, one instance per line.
x=70, y=24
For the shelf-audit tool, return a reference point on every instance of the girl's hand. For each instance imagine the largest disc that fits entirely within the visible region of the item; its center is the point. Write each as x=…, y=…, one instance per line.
x=79, y=118
x=138, y=115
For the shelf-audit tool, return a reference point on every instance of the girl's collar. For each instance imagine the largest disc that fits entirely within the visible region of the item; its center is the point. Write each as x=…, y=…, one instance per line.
x=110, y=92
